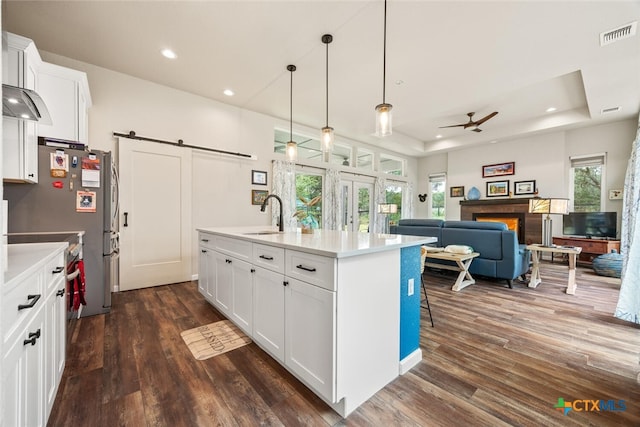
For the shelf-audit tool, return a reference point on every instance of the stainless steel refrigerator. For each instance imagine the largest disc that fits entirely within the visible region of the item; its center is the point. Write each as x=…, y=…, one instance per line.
x=82, y=197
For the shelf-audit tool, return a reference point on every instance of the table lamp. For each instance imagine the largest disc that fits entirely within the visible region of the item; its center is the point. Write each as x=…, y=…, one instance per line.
x=548, y=206
x=386, y=209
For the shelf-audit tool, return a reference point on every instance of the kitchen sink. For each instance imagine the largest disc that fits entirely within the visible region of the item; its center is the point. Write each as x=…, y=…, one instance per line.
x=260, y=233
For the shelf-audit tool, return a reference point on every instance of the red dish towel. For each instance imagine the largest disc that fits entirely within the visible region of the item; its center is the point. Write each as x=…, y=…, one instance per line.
x=78, y=288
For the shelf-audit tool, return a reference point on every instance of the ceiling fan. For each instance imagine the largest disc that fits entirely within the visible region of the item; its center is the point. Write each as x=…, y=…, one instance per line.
x=472, y=123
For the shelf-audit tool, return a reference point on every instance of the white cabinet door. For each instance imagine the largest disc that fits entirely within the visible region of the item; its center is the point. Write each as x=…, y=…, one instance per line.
x=207, y=273
x=242, y=291
x=55, y=335
x=20, y=139
x=310, y=331
x=268, y=311
x=223, y=283
x=59, y=91
x=23, y=384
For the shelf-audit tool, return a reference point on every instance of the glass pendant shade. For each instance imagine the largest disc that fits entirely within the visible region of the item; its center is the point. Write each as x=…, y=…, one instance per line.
x=291, y=152
x=327, y=139
x=383, y=119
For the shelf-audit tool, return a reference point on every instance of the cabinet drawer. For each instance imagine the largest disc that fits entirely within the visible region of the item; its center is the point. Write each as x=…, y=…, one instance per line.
x=268, y=257
x=52, y=271
x=238, y=248
x=315, y=269
x=206, y=240
x=12, y=317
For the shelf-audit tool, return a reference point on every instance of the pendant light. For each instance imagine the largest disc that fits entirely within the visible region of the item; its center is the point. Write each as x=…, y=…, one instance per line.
x=383, y=111
x=291, y=153
x=327, y=132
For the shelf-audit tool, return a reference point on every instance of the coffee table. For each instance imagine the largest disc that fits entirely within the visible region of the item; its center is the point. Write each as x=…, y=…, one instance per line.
x=463, y=261
x=572, y=253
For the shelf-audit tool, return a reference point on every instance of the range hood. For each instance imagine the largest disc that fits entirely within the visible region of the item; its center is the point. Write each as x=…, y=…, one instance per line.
x=24, y=104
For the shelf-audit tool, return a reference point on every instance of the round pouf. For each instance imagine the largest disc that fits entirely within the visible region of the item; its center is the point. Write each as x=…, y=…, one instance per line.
x=608, y=264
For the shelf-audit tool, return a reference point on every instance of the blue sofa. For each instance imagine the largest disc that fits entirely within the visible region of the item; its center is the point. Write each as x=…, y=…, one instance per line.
x=501, y=256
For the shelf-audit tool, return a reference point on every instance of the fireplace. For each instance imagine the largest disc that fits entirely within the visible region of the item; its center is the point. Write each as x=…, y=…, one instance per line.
x=514, y=212
x=514, y=221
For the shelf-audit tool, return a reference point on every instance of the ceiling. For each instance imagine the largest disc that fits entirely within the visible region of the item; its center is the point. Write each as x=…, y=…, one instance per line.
x=444, y=59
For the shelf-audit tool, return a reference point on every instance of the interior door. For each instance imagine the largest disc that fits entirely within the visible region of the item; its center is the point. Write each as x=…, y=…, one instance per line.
x=356, y=205
x=155, y=214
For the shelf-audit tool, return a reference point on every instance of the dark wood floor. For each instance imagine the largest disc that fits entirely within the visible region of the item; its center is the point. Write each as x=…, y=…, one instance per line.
x=496, y=356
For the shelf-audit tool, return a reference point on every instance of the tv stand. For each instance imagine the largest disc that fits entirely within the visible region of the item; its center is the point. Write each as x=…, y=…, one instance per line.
x=591, y=248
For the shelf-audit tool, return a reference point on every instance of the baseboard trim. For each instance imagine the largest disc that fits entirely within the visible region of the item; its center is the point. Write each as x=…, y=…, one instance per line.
x=410, y=361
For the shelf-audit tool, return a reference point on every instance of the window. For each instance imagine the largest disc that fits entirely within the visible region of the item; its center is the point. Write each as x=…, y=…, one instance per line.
x=586, y=178
x=391, y=165
x=394, y=196
x=364, y=159
x=308, y=148
x=340, y=155
x=309, y=199
x=437, y=182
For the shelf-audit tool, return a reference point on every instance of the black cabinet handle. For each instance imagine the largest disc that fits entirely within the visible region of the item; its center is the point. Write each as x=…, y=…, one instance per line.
x=285, y=283
x=228, y=261
x=253, y=270
x=302, y=267
x=203, y=251
x=205, y=240
x=33, y=337
x=31, y=175
x=268, y=258
x=60, y=293
x=57, y=270
x=126, y=218
x=34, y=299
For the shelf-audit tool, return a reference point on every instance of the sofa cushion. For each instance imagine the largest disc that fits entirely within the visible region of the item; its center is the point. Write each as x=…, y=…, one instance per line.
x=476, y=225
x=488, y=244
x=421, y=222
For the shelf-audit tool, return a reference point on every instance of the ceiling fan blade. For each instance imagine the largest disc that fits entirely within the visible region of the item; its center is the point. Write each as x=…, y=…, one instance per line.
x=455, y=126
x=484, y=119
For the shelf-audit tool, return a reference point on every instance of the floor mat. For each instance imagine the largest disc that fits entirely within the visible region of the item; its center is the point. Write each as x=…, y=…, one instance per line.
x=214, y=339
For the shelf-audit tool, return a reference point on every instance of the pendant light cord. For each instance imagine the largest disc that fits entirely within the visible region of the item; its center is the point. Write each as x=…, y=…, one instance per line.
x=384, y=55
x=327, y=86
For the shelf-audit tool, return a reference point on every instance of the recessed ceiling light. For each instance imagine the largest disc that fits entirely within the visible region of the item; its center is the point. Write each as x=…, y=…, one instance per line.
x=228, y=92
x=551, y=109
x=438, y=136
x=493, y=142
x=25, y=116
x=168, y=53
x=12, y=101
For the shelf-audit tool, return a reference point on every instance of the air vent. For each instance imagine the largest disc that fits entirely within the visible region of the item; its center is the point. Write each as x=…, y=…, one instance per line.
x=618, y=34
x=610, y=110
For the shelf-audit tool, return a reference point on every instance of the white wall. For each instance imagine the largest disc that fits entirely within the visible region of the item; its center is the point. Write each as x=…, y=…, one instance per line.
x=543, y=158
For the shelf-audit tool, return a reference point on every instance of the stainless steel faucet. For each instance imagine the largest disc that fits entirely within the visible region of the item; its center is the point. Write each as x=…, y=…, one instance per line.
x=264, y=205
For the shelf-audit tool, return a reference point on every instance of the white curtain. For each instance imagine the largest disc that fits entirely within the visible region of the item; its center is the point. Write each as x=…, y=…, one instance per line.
x=380, y=197
x=332, y=208
x=629, y=299
x=284, y=186
x=407, y=201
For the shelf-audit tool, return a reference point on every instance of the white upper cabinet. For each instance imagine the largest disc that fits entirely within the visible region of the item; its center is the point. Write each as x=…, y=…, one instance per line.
x=66, y=94
x=20, y=63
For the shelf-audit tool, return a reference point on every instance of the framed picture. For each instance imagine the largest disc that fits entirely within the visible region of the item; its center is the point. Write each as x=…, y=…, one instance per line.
x=497, y=188
x=499, y=169
x=456, y=191
x=524, y=187
x=615, y=194
x=258, y=196
x=259, y=177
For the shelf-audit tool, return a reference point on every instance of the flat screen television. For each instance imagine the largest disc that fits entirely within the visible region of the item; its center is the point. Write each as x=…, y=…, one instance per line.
x=590, y=224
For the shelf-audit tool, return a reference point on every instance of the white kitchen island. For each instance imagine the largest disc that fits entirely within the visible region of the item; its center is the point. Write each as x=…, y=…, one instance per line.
x=339, y=310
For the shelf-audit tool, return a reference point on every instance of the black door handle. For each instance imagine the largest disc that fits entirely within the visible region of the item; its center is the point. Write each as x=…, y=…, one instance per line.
x=126, y=218
x=34, y=299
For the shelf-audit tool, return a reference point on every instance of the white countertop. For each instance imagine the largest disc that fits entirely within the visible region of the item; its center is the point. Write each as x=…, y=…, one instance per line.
x=331, y=243
x=24, y=258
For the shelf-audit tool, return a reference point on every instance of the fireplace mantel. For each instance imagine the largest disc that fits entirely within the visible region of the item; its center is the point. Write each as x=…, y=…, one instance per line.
x=532, y=228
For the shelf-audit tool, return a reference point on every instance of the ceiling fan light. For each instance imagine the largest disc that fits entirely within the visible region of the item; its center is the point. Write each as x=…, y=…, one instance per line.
x=291, y=151
x=383, y=119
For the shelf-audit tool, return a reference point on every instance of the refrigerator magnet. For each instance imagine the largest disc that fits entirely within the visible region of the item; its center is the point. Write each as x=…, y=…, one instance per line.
x=59, y=164
x=86, y=201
